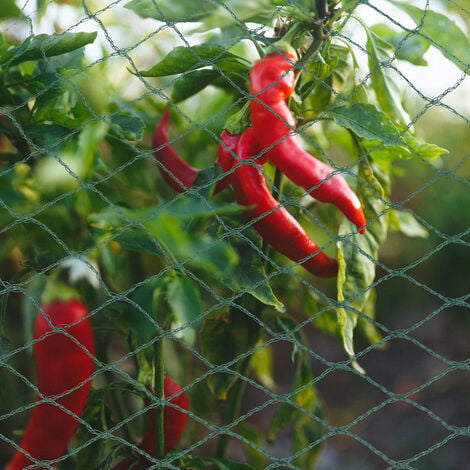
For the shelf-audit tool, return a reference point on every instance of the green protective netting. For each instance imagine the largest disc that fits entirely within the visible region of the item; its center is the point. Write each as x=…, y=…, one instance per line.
x=281, y=369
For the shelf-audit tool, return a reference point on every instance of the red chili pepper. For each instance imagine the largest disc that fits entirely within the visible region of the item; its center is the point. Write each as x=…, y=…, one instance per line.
x=174, y=423
x=179, y=174
x=271, y=82
x=61, y=365
x=272, y=221
x=225, y=157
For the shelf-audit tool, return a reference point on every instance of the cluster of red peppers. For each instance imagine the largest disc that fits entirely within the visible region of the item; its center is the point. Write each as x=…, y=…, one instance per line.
x=272, y=137
x=64, y=367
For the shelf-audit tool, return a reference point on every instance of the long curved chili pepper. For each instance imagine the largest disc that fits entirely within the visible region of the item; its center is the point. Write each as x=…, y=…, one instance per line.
x=271, y=82
x=173, y=424
x=63, y=367
x=272, y=221
x=179, y=174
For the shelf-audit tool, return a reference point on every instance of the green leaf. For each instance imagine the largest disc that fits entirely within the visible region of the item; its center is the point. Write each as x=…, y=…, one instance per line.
x=233, y=82
x=384, y=154
x=9, y=9
x=185, y=302
x=288, y=326
x=327, y=321
x=249, y=275
x=192, y=83
x=44, y=45
x=223, y=339
x=262, y=366
x=185, y=209
x=56, y=102
x=406, y=46
x=182, y=59
x=228, y=36
x=99, y=416
x=203, y=251
x=347, y=319
x=442, y=33
x=252, y=434
x=132, y=127
x=62, y=62
x=4, y=45
x=423, y=149
x=239, y=121
x=191, y=207
x=140, y=321
x=206, y=180
x=47, y=135
x=91, y=135
x=41, y=7
x=170, y=11
x=133, y=240
x=348, y=5
x=303, y=435
x=383, y=86
x=320, y=96
x=179, y=230
x=365, y=325
x=357, y=254
x=366, y=121
x=316, y=87
x=306, y=429
x=169, y=223
x=238, y=12
x=406, y=223
x=384, y=140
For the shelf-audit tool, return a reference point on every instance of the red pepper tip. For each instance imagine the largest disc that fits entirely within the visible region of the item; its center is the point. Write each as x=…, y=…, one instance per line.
x=360, y=221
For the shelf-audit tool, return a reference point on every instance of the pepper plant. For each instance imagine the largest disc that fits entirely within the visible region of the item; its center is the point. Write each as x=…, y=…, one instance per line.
x=111, y=178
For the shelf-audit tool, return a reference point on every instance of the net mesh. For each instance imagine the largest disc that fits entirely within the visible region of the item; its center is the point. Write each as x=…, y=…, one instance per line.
x=97, y=216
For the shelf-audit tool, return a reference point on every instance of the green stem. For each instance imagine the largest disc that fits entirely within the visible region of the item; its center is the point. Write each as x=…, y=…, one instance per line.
x=233, y=411
x=278, y=180
x=158, y=386
x=259, y=49
x=321, y=6
x=318, y=39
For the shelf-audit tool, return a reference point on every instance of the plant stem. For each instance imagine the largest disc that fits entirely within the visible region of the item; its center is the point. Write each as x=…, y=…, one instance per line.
x=278, y=180
x=318, y=39
x=234, y=403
